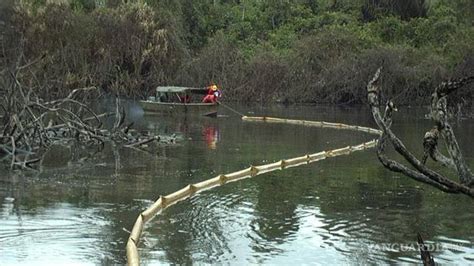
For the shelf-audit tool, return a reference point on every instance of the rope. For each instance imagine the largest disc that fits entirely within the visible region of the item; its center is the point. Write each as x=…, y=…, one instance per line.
x=230, y=108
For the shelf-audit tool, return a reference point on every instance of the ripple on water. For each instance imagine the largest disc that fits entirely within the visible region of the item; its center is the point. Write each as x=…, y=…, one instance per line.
x=454, y=250
x=199, y=228
x=231, y=229
x=332, y=212
x=60, y=234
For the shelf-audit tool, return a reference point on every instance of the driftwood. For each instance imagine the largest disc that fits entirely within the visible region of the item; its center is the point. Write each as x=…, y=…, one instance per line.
x=442, y=127
x=29, y=125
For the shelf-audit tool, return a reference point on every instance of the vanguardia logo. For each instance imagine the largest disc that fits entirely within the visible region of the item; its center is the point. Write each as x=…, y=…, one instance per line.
x=401, y=247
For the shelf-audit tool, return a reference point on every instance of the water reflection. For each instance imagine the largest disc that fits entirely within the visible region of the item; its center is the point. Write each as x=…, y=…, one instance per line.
x=211, y=135
x=330, y=212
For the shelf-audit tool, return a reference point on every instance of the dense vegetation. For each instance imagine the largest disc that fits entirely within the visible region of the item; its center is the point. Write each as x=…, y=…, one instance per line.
x=257, y=50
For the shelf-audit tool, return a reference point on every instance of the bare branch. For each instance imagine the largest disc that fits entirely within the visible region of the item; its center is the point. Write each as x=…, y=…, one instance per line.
x=30, y=124
x=439, y=114
x=422, y=173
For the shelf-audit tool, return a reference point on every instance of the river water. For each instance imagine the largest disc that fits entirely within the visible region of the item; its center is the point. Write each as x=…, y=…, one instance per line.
x=347, y=209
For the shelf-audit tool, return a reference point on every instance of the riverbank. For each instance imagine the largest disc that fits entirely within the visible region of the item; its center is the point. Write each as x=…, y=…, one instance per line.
x=295, y=52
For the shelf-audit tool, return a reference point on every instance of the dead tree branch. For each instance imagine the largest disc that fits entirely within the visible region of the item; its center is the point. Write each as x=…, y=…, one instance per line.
x=29, y=125
x=421, y=172
x=439, y=114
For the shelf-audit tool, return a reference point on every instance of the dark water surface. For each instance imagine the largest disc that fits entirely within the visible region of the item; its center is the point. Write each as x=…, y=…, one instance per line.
x=341, y=210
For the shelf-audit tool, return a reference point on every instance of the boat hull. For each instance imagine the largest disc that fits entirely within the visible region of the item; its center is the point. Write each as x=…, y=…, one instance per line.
x=207, y=109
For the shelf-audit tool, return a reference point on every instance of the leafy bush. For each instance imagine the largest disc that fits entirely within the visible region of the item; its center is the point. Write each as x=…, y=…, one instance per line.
x=126, y=50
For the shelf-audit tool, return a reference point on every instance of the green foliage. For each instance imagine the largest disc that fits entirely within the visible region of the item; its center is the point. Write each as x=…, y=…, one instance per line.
x=323, y=48
x=83, y=5
x=127, y=49
x=404, y=9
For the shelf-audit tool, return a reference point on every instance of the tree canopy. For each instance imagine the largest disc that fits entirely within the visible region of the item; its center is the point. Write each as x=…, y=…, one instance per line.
x=321, y=50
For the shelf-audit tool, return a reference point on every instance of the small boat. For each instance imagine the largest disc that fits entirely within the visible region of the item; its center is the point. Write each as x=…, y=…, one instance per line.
x=179, y=100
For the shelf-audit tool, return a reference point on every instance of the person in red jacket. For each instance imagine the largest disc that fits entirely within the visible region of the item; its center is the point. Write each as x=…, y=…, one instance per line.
x=212, y=94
